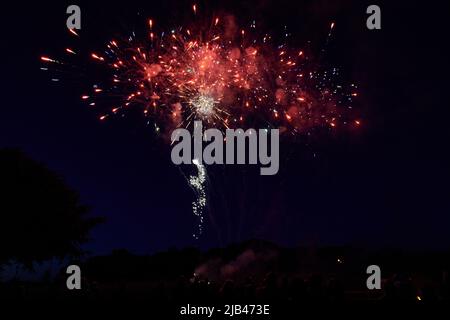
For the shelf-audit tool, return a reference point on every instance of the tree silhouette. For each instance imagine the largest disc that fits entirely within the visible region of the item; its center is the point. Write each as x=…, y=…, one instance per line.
x=41, y=217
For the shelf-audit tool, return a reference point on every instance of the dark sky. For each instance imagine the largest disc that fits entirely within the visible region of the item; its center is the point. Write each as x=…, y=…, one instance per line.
x=385, y=185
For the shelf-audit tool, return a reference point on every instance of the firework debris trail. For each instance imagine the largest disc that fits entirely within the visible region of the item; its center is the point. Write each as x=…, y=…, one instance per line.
x=225, y=76
x=198, y=184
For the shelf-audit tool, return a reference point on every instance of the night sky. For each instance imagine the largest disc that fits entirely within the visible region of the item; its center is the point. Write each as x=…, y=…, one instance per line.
x=386, y=184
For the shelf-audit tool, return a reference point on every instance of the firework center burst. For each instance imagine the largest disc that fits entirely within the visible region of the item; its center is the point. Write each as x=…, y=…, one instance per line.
x=203, y=105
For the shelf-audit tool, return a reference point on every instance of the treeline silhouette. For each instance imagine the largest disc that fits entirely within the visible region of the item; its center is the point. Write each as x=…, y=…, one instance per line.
x=42, y=218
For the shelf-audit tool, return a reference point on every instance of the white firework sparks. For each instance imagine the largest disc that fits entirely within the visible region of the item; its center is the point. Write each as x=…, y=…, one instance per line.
x=198, y=183
x=204, y=106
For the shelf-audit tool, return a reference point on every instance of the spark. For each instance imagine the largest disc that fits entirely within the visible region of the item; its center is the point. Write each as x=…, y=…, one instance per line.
x=70, y=51
x=95, y=56
x=73, y=32
x=47, y=59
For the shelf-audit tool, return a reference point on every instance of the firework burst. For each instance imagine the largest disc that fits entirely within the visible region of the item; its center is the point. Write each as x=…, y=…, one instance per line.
x=211, y=70
x=222, y=75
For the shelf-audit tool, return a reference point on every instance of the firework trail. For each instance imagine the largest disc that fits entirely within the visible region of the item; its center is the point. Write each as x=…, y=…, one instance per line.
x=198, y=184
x=211, y=70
